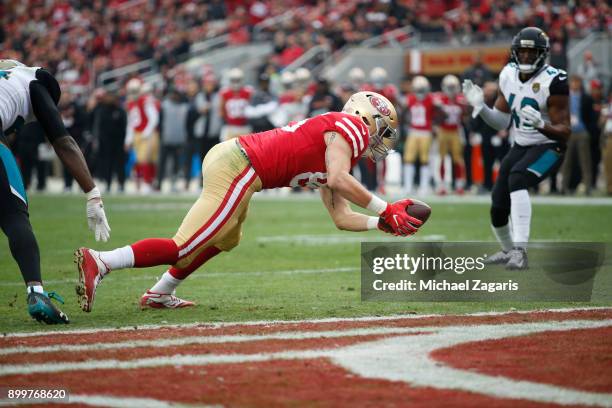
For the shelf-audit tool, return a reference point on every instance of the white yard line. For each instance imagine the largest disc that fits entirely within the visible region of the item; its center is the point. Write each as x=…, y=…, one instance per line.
x=301, y=321
x=212, y=339
x=126, y=276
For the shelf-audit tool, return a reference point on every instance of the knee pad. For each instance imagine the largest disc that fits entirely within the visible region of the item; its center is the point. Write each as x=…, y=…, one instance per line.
x=499, y=216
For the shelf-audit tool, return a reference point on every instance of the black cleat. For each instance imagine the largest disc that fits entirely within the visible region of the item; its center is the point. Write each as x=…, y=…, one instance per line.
x=41, y=308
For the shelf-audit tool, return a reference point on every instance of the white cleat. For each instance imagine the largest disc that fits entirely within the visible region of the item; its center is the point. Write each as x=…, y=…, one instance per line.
x=163, y=301
x=518, y=259
x=497, y=258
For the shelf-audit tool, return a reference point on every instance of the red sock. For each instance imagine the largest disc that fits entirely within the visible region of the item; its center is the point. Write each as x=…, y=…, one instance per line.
x=459, y=171
x=154, y=251
x=149, y=173
x=182, y=273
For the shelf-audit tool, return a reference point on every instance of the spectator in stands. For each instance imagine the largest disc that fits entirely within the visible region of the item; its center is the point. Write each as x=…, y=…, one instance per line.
x=73, y=116
x=588, y=70
x=494, y=143
x=478, y=73
x=173, y=132
x=108, y=127
x=262, y=106
x=31, y=151
x=204, y=121
x=323, y=99
x=582, y=118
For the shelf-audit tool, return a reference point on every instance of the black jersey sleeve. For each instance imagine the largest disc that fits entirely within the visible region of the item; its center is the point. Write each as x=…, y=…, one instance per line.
x=559, y=86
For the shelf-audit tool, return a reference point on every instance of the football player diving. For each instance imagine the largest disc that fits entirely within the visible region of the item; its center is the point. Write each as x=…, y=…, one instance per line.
x=31, y=94
x=533, y=103
x=318, y=152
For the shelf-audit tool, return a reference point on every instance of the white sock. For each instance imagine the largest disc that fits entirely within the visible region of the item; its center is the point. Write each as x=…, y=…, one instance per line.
x=408, y=177
x=166, y=284
x=35, y=288
x=520, y=213
x=425, y=178
x=504, y=236
x=119, y=258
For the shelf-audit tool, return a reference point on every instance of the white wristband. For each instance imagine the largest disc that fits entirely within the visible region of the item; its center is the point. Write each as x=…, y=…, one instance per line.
x=372, y=223
x=377, y=205
x=94, y=193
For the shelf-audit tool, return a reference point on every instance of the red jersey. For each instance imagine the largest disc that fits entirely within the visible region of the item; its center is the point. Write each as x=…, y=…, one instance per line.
x=287, y=97
x=453, y=109
x=421, y=112
x=143, y=114
x=294, y=155
x=234, y=103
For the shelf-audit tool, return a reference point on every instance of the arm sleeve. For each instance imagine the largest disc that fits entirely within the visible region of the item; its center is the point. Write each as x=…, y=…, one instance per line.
x=497, y=119
x=46, y=111
x=261, y=110
x=559, y=85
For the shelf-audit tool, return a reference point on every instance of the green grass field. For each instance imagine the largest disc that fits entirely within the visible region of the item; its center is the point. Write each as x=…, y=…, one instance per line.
x=292, y=262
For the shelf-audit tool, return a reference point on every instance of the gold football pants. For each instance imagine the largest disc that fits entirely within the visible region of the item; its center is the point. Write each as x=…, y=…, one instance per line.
x=216, y=218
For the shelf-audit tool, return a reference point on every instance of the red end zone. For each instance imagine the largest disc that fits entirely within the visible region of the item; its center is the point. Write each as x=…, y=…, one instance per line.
x=488, y=360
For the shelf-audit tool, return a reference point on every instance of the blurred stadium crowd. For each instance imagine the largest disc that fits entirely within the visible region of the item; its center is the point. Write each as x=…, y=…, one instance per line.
x=187, y=114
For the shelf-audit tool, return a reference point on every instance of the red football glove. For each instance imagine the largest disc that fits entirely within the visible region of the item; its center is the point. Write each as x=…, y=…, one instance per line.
x=397, y=219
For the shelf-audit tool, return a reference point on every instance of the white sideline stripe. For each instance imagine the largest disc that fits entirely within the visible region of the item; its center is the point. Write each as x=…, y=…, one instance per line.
x=204, y=275
x=222, y=215
x=214, y=325
x=204, y=339
x=352, y=126
x=350, y=135
x=109, y=401
x=408, y=359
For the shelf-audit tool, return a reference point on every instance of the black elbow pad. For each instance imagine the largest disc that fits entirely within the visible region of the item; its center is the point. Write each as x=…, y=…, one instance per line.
x=46, y=112
x=50, y=83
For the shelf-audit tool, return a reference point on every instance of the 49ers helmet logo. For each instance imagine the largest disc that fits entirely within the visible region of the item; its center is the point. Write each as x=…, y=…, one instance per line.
x=380, y=105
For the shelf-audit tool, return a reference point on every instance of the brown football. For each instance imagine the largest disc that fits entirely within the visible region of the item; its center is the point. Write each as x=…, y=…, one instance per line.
x=418, y=210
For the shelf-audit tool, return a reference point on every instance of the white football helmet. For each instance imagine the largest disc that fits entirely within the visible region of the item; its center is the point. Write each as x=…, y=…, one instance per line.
x=379, y=115
x=133, y=87
x=420, y=86
x=356, y=75
x=302, y=74
x=378, y=76
x=287, y=79
x=236, y=78
x=146, y=88
x=450, y=85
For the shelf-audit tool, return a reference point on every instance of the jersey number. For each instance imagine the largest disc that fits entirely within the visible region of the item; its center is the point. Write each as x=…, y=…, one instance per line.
x=418, y=116
x=526, y=101
x=310, y=180
x=235, y=108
